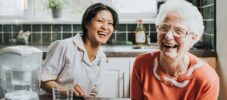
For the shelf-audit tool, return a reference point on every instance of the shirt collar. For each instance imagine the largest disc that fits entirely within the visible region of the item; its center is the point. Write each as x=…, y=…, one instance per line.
x=80, y=44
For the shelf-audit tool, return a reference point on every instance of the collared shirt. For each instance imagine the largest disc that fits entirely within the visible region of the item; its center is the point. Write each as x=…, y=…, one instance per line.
x=67, y=62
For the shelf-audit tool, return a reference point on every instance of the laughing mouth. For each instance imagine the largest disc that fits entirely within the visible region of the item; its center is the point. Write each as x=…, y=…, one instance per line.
x=169, y=45
x=102, y=33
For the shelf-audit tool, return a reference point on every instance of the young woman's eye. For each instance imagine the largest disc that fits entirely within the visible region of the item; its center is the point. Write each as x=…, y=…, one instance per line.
x=100, y=20
x=110, y=23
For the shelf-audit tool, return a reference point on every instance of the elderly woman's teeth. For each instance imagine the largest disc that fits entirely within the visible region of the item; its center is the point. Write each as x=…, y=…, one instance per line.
x=170, y=45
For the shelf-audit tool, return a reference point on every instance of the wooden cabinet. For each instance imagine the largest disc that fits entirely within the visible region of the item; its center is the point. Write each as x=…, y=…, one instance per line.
x=212, y=61
x=116, y=78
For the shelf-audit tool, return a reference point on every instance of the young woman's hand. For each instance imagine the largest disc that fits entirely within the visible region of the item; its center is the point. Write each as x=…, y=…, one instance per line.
x=78, y=90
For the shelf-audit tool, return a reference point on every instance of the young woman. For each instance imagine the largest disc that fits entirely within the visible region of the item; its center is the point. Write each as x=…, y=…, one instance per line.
x=79, y=60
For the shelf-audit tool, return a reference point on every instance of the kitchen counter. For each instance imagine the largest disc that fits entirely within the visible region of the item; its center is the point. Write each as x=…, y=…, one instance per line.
x=50, y=97
x=129, y=50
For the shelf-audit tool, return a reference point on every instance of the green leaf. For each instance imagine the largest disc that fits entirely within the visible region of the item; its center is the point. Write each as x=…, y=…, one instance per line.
x=54, y=4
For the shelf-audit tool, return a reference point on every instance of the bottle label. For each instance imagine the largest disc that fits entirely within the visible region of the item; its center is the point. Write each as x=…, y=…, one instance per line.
x=140, y=37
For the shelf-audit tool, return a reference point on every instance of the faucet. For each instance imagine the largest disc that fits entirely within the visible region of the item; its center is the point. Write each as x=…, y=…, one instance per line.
x=22, y=37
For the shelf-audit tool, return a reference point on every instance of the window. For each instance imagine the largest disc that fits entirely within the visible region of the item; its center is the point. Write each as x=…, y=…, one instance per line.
x=12, y=8
x=129, y=10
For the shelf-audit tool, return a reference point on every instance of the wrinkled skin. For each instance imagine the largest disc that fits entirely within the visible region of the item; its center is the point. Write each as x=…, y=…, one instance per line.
x=174, y=57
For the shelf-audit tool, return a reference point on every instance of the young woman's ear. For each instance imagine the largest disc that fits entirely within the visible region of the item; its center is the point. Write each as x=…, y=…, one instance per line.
x=86, y=25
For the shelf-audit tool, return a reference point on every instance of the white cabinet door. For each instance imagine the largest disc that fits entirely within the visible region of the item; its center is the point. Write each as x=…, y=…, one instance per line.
x=116, y=78
x=130, y=72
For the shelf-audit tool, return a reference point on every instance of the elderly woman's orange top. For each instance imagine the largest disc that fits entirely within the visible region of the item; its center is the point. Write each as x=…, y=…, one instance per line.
x=150, y=82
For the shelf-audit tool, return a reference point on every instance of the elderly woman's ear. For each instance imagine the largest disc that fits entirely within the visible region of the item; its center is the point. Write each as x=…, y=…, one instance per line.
x=193, y=38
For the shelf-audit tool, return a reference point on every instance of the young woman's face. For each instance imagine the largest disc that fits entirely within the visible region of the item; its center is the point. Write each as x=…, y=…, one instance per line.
x=100, y=28
x=173, y=36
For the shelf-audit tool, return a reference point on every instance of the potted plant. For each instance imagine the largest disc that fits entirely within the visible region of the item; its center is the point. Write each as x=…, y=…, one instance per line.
x=55, y=6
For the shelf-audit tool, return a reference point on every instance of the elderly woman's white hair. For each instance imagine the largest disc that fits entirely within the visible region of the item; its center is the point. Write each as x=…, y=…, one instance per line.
x=190, y=13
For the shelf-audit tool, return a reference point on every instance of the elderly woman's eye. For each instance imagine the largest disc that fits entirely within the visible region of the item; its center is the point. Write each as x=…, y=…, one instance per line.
x=180, y=32
x=164, y=28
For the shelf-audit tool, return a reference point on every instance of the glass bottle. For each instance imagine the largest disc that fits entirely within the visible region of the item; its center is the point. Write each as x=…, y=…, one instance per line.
x=140, y=33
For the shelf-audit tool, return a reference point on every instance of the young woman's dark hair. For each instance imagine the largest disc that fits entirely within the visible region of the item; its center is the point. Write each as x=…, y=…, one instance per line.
x=92, y=11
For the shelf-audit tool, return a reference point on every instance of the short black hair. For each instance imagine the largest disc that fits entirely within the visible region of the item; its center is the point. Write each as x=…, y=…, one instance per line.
x=92, y=11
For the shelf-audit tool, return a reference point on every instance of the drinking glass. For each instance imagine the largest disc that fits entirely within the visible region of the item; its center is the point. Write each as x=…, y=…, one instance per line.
x=63, y=92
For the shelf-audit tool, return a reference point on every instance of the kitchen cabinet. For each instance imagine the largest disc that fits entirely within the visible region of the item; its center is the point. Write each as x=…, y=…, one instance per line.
x=211, y=61
x=116, y=80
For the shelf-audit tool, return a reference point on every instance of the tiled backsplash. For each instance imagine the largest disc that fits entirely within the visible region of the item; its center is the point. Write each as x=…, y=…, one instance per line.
x=207, y=8
x=47, y=33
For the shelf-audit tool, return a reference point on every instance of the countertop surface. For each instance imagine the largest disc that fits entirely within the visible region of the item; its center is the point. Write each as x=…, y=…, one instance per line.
x=49, y=97
x=129, y=50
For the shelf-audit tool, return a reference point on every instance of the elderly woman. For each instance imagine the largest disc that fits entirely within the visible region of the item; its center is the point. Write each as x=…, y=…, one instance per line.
x=172, y=73
x=79, y=60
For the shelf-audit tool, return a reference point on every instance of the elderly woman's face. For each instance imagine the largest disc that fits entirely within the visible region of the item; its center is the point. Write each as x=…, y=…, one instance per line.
x=173, y=36
x=101, y=27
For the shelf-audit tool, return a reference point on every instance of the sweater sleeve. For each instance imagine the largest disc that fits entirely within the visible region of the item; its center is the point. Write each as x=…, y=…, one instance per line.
x=137, y=88
x=211, y=91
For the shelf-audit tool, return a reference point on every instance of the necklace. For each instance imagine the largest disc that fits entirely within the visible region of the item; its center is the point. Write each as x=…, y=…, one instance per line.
x=172, y=81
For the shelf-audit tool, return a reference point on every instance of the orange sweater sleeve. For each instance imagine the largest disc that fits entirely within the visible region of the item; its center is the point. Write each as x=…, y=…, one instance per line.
x=211, y=92
x=137, y=87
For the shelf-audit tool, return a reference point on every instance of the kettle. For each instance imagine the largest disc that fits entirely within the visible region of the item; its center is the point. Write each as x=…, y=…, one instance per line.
x=19, y=72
